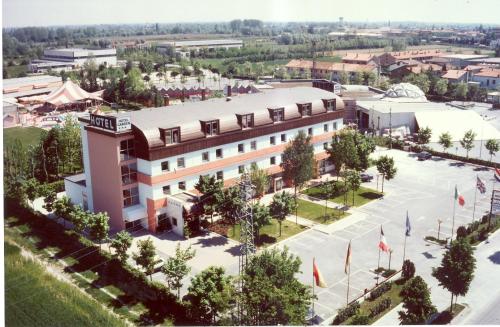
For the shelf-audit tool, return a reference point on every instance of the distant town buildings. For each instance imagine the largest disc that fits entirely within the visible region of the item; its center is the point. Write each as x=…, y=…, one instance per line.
x=183, y=47
x=326, y=70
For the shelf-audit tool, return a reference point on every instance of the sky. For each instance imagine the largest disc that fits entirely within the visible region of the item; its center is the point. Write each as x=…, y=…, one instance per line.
x=17, y=13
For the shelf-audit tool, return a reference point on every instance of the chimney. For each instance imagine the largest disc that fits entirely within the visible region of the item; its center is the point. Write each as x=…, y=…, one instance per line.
x=203, y=94
x=166, y=100
x=229, y=91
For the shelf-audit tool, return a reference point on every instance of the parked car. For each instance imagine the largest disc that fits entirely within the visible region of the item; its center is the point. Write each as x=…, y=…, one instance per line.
x=424, y=155
x=366, y=177
x=159, y=262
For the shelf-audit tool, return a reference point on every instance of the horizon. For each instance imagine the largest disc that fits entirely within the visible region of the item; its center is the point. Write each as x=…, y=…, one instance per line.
x=25, y=13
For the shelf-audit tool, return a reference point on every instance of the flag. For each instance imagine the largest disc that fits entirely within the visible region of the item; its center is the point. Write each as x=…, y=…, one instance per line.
x=497, y=174
x=408, y=226
x=318, y=278
x=480, y=185
x=383, y=243
x=348, y=258
x=459, y=197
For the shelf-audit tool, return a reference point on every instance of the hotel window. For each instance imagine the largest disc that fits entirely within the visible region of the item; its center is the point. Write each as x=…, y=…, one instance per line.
x=253, y=145
x=305, y=109
x=241, y=148
x=272, y=140
x=330, y=104
x=220, y=175
x=211, y=127
x=310, y=131
x=129, y=173
x=283, y=138
x=165, y=166
x=182, y=186
x=277, y=115
x=273, y=160
x=166, y=189
x=325, y=145
x=130, y=197
x=218, y=153
x=174, y=221
x=245, y=121
x=335, y=126
x=181, y=163
x=241, y=169
x=127, y=150
x=325, y=127
x=172, y=135
x=205, y=156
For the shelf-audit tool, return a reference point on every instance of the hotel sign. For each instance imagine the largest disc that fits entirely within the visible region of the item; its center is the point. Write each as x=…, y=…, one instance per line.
x=111, y=123
x=495, y=202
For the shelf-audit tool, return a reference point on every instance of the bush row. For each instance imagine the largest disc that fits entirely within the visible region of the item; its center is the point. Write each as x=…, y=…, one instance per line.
x=383, y=288
x=346, y=313
x=381, y=307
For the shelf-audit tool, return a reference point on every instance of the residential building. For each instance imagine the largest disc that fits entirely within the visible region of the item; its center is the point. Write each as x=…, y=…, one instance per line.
x=461, y=60
x=390, y=58
x=326, y=70
x=488, y=78
x=456, y=76
x=359, y=58
x=141, y=167
x=79, y=56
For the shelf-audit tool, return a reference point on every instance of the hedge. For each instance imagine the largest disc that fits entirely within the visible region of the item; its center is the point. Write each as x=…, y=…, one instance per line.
x=383, y=305
x=347, y=312
x=383, y=288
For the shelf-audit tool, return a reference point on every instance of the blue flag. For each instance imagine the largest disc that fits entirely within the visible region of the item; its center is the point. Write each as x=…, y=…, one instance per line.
x=408, y=226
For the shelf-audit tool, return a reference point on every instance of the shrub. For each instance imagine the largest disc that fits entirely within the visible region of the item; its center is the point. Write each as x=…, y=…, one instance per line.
x=408, y=270
x=383, y=288
x=484, y=220
x=346, y=313
x=388, y=273
x=483, y=234
x=360, y=319
x=461, y=232
x=475, y=225
x=381, y=307
x=443, y=318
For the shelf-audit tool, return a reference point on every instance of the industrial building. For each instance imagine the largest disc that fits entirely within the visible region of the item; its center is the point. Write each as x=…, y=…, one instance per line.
x=66, y=59
x=183, y=47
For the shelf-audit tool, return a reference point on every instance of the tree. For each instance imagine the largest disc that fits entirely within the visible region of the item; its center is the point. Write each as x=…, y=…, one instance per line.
x=210, y=187
x=408, y=270
x=353, y=181
x=229, y=202
x=344, y=78
x=424, y=135
x=63, y=208
x=271, y=294
x=79, y=218
x=457, y=269
x=492, y=146
x=385, y=166
x=298, y=161
x=210, y=296
x=121, y=243
x=133, y=82
x=281, y=206
x=99, y=227
x=357, y=79
x=259, y=179
x=420, y=80
x=445, y=141
x=461, y=91
x=176, y=268
x=32, y=189
x=467, y=142
x=146, y=256
x=441, y=87
x=416, y=302
x=50, y=197
x=342, y=151
x=261, y=217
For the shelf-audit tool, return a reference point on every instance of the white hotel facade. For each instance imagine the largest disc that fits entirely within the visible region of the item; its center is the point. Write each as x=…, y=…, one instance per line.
x=144, y=174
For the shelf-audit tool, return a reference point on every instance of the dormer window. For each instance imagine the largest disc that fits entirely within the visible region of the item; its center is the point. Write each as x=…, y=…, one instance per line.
x=277, y=114
x=330, y=104
x=210, y=127
x=245, y=121
x=305, y=109
x=171, y=135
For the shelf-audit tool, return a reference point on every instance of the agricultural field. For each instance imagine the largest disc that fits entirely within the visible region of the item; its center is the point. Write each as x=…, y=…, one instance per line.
x=27, y=135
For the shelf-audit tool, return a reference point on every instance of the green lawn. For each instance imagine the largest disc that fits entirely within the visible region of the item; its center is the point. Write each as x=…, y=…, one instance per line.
x=27, y=135
x=35, y=298
x=316, y=212
x=269, y=234
x=362, y=196
x=15, y=71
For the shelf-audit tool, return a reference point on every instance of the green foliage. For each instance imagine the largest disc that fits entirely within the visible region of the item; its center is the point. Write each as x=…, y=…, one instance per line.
x=346, y=313
x=493, y=146
x=350, y=149
x=467, y=142
x=99, y=226
x=457, y=268
x=420, y=80
x=441, y=86
x=146, y=255
x=50, y=198
x=379, y=308
x=63, y=207
x=229, y=202
x=298, y=160
x=357, y=79
x=379, y=291
x=210, y=188
x=261, y=217
x=281, y=206
x=79, y=218
x=121, y=243
x=344, y=78
x=424, y=135
x=445, y=141
x=385, y=166
x=360, y=319
x=259, y=179
x=417, y=302
x=408, y=270
x=461, y=90
x=461, y=232
x=271, y=293
x=353, y=181
x=210, y=296
x=176, y=268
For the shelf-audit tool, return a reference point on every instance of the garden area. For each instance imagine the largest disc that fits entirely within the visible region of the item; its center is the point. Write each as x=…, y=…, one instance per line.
x=335, y=191
x=318, y=213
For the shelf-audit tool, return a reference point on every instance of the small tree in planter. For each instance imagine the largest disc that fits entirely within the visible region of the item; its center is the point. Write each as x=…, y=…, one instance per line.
x=445, y=141
x=408, y=270
x=417, y=302
x=281, y=206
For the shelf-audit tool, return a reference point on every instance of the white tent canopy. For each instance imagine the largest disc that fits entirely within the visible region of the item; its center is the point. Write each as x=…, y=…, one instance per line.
x=457, y=123
x=69, y=92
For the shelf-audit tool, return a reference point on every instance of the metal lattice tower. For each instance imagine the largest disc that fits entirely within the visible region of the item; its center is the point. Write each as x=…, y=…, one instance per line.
x=245, y=218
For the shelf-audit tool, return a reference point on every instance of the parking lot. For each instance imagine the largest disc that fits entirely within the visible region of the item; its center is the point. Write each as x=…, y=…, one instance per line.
x=426, y=190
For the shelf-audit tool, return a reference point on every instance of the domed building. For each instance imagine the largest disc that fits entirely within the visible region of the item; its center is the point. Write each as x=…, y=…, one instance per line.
x=404, y=92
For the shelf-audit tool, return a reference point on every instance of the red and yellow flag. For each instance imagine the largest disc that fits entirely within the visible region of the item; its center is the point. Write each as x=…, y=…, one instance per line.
x=318, y=278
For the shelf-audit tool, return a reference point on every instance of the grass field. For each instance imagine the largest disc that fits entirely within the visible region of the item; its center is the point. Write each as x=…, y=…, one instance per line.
x=27, y=135
x=15, y=71
x=362, y=196
x=35, y=298
x=316, y=212
x=270, y=234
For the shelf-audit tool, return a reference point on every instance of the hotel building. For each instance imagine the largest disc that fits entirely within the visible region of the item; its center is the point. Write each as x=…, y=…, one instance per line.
x=141, y=167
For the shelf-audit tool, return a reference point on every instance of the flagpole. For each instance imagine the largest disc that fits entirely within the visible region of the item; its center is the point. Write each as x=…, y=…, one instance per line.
x=406, y=235
x=348, y=280
x=312, y=316
x=475, y=195
x=378, y=264
x=453, y=221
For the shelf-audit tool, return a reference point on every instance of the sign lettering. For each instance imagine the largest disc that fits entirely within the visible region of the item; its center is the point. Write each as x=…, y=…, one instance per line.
x=110, y=123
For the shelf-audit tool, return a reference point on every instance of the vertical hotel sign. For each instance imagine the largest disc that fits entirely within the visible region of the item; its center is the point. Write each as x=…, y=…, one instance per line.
x=111, y=123
x=495, y=202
